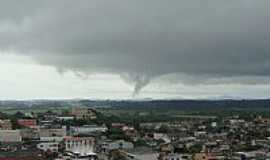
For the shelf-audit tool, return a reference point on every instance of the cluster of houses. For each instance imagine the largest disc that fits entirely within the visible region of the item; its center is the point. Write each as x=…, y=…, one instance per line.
x=47, y=134
x=56, y=136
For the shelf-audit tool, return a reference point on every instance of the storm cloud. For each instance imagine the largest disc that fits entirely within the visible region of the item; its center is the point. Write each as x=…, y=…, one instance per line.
x=189, y=41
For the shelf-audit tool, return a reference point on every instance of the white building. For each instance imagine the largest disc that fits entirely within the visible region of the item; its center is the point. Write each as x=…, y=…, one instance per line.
x=74, y=156
x=88, y=129
x=120, y=144
x=161, y=136
x=51, y=139
x=176, y=157
x=48, y=146
x=10, y=136
x=214, y=124
x=65, y=118
x=81, y=146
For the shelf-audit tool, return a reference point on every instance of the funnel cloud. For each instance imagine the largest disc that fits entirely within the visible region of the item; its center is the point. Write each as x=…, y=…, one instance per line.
x=183, y=41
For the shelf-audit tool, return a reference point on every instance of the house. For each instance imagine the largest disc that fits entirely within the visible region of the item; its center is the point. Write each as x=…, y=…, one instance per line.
x=10, y=136
x=200, y=134
x=28, y=123
x=77, y=156
x=213, y=124
x=118, y=125
x=84, y=113
x=166, y=148
x=161, y=136
x=174, y=156
x=53, y=131
x=48, y=146
x=5, y=124
x=49, y=116
x=29, y=134
x=131, y=132
x=87, y=129
x=120, y=154
x=114, y=145
x=207, y=156
x=262, y=120
x=256, y=154
x=51, y=139
x=65, y=118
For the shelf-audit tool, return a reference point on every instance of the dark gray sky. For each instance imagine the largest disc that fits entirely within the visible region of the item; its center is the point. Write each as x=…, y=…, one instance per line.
x=167, y=43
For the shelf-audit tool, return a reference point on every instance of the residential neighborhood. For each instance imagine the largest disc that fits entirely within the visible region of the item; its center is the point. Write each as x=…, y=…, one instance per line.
x=81, y=133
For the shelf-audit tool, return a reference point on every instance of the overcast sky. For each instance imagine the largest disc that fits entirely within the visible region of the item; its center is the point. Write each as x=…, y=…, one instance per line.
x=147, y=48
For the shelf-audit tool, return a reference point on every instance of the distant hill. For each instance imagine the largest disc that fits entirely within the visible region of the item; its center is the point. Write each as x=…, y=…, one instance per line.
x=146, y=104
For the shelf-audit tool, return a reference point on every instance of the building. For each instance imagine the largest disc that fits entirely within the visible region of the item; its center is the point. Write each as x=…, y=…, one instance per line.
x=76, y=156
x=173, y=156
x=29, y=123
x=84, y=113
x=10, y=136
x=262, y=120
x=87, y=129
x=53, y=132
x=120, y=154
x=65, y=118
x=51, y=139
x=118, y=125
x=48, y=146
x=80, y=145
x=29, y=134
x=49, y=116
x=166, y=148
x=114, y=145
x=200, y=134
x=161, y=136
x=5, y=124
x=206, y=156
